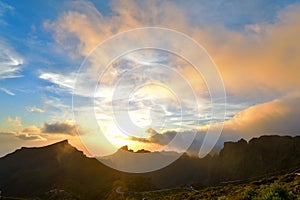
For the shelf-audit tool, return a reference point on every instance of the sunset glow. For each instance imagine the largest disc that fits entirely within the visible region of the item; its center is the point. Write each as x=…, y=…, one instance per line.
x=145, y=97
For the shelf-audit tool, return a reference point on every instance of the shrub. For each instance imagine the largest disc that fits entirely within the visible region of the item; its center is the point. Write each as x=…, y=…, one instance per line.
x=276, y=192
x=249, y=194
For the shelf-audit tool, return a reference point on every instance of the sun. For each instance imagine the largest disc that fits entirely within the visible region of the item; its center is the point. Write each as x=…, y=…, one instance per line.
x=118, y=139
x=115, y=136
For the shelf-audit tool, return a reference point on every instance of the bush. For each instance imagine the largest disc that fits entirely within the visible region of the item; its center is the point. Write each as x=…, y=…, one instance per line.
x=249, y=194
x=222, y=198
x=276, y=192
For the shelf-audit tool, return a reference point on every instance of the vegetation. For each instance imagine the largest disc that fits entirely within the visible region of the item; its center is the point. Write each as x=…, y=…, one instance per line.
x=285, y=187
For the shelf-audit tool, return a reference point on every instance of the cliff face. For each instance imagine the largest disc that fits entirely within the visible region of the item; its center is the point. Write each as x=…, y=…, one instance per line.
x=30, y=172
x=260, y=156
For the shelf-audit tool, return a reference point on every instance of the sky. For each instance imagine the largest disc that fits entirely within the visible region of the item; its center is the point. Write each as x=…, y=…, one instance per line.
x=255, y=46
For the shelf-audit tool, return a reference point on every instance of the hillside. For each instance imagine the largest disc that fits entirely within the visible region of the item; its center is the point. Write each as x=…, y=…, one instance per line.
x=30, y=172
x=61, y=169
x=283, y=187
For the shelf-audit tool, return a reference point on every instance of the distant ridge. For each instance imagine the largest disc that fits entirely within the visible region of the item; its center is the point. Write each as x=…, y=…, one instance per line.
x=36, y=171
x=125, y=148
x=60, y=143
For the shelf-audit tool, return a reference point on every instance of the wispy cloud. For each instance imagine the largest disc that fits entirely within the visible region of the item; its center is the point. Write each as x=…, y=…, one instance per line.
x=7, y=91
x=248, y=50
x=125, y=15
x=28, y=133
x=10, y=64
x=16, y=122
x=61, y=80
x=35, y=109
x=275, y=117
x=4, y=7
x=27, y=136
x=58, y=108
x=252, y=60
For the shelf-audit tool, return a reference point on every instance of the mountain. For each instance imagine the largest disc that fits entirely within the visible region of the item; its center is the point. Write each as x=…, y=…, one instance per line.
x=140, y=161
x=262, y=155
x=30, y=172
x=60, y=169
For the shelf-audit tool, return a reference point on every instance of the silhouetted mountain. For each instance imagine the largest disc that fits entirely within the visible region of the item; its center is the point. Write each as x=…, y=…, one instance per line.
x=140, y=161
x=125, y=148
x=61, y=168
x=262, y=155
x=34, y=171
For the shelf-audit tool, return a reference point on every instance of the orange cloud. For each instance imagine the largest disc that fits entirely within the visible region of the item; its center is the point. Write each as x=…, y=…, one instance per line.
x=35, y=109
x=32, y=130
x=279, y=116
x=47, y=131
x=87, y=27
x=16, y=123
x=260, y=60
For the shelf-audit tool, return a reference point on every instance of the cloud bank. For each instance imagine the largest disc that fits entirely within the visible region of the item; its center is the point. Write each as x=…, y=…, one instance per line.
x=243, y=56
x=43, y=133
x=258, y=62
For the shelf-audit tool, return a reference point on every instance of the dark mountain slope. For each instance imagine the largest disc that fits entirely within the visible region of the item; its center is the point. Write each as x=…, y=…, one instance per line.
x=267, y=154
x=33, y=172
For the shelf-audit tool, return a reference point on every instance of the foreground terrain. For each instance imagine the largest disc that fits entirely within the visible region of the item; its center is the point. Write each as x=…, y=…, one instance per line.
x=283, y=187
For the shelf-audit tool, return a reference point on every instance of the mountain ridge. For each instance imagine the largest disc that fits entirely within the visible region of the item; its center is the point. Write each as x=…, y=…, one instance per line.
x=34, y=171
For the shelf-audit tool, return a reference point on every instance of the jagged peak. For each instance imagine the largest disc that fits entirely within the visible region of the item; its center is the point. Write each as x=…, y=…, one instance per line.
x=63, y=142
x=242, y=141
x=126, y=148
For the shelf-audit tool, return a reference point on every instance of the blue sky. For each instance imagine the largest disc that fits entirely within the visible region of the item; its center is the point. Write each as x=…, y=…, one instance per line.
x=43, y=45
